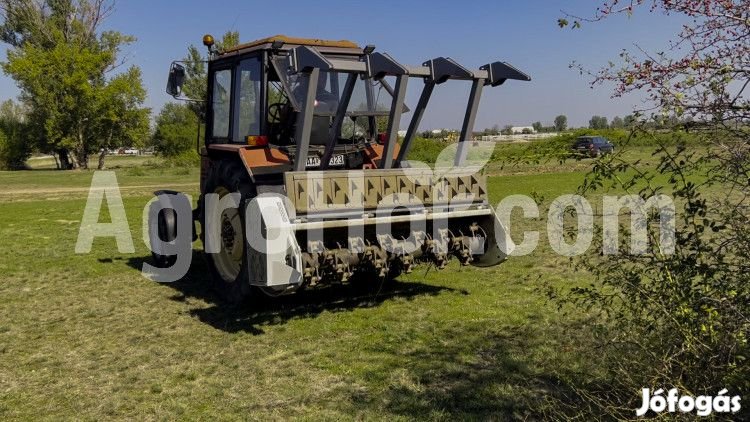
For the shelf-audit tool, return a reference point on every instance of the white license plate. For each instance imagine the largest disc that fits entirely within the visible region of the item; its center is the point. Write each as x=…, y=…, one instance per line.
x=336, y=160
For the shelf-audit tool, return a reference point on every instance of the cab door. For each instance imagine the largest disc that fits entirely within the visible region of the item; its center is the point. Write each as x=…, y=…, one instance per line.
x=235, y=93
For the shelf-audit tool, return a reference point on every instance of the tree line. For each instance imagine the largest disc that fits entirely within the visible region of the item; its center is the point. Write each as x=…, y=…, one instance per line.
x=560, y=124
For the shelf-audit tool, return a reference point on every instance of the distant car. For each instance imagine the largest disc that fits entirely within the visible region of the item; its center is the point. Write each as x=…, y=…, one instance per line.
x=130, y=151
x=592, y=146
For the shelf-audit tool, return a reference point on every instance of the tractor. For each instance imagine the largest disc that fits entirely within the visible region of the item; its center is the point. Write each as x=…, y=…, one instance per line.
x=305, y=180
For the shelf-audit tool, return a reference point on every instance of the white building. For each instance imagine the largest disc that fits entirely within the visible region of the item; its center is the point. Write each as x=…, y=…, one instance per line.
x=520, y=129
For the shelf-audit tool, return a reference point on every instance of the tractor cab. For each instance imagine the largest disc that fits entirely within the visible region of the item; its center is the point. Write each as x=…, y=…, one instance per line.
x=255, y=101
x=322, y=103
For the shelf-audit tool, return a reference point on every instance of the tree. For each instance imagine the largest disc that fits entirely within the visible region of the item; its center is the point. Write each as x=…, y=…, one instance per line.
x=507, y=130
x=64, y=65
x=561, y=123
x=196, y=78
x=123, y=122
x=598, y=122
x=15, y=145
x=494, y=130
x=176, y=131
x=537, y=126
x=617, y=123
x=629, y=121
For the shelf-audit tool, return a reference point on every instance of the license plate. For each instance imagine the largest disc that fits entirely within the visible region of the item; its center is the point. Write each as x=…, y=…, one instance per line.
x=336, y=161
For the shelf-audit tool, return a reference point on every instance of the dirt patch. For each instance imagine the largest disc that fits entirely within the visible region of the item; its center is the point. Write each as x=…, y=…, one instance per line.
x=65, y=190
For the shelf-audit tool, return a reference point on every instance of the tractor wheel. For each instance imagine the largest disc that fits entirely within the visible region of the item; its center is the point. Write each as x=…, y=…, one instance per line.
x=229, y=267
x=167, y=230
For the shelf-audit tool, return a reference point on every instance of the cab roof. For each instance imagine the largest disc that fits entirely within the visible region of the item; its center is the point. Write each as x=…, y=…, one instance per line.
x=266, y=42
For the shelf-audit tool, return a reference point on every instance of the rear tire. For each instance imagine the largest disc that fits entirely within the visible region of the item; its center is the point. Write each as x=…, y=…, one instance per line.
x=229, y=267
x=166, y=223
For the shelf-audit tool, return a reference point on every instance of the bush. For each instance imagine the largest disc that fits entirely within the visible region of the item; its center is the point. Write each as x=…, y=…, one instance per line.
x=639, y=138
x=557, y=148
x=185, y=159
x=176, y=130
x=14, y=151
x=673, y=320
x=426, y=150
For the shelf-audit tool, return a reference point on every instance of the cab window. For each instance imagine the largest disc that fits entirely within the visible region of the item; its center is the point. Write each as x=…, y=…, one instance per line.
x=221, y=98
x=248, y=101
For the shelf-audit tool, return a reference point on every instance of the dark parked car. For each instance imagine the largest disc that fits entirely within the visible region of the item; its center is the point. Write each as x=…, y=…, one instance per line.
x=592, y=146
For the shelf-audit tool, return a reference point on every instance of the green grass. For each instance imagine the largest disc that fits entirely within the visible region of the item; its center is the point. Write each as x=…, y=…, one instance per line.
x=87, y=337
x=136, y=175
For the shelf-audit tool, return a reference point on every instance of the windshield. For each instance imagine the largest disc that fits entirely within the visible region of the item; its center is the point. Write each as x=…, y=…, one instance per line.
x=369, y=97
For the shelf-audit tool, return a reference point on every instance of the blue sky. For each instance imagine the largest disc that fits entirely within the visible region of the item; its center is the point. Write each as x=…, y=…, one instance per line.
x=523, y=33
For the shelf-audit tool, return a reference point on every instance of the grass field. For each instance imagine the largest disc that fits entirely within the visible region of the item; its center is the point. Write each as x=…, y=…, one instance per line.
x=87, y=337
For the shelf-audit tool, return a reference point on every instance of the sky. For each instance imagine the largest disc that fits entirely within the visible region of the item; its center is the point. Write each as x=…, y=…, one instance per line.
x=522, y=33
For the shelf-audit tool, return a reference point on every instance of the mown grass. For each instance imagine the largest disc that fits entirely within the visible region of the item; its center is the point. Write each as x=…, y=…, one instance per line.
x=87, y=337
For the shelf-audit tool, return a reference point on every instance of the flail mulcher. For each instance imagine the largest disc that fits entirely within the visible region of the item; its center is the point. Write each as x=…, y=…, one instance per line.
x=300, y=188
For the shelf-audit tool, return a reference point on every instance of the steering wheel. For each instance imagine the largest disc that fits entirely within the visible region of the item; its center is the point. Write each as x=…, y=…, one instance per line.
x=275, y=111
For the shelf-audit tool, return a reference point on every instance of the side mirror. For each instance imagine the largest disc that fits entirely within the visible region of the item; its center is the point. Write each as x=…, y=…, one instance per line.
x=176, y=79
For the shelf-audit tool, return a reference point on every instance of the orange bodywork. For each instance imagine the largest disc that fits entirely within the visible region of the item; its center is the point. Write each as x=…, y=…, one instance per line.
x=375, y=151
x=264, y=160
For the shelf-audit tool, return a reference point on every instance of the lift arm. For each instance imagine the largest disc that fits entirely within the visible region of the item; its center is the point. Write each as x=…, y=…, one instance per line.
x=309, y=62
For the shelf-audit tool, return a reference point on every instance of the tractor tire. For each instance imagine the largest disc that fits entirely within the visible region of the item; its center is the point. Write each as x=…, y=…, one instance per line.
x=229, y=267
x=167, y=230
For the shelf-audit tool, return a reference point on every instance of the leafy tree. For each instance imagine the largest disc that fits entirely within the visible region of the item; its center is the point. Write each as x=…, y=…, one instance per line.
x=65, y=66
x=598, y=122
x=176, y=130
x=537, y=126
x=15, y=145
x=507, y=130
x=494, y=130
x=629, y=120
x=561, y=123
x=123, y=122
x=381, y=123
x=617, y=123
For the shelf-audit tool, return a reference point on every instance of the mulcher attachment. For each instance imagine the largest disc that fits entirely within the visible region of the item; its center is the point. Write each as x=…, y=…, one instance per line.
x=382, y=221
x=385, y=229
